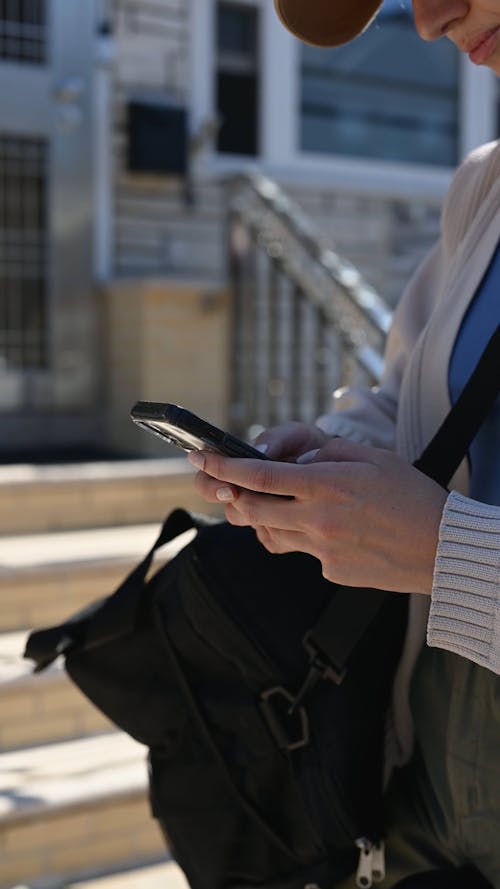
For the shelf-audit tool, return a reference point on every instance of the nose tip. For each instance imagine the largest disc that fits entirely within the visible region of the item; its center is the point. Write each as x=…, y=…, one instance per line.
x=435, y=18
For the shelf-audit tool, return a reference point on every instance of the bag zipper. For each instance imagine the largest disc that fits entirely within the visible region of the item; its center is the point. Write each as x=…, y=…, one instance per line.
x=371, y=865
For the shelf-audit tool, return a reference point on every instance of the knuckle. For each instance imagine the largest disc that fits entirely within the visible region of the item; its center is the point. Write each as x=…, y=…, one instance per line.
x=264, y=476
x=265, y=538
x=271, y=545
x=232, y=515
x=251, y=512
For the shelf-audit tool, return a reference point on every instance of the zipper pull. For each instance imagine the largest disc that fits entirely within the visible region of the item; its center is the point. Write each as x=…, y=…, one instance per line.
x=364, y=873
x=378, y=863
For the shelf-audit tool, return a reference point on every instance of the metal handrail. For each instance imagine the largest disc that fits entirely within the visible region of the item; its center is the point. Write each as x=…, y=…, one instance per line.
x=284, y=275
x=342, y=273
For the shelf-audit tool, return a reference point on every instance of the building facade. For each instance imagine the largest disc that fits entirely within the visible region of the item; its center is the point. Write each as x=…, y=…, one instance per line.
x=122, y=126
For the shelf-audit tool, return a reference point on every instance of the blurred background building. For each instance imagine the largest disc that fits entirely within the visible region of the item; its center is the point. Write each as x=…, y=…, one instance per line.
x=194, y=207
x=122, y=126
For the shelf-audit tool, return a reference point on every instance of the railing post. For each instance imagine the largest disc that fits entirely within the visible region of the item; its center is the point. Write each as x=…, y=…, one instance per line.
x=294, y=302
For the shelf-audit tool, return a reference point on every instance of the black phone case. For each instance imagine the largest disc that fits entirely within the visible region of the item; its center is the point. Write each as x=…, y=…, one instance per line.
x=184, y=429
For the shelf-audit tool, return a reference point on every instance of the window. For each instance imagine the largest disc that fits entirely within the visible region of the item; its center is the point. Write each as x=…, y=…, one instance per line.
x=23, y=252
x=237, y=84
x=388, y=95
x=23, y=31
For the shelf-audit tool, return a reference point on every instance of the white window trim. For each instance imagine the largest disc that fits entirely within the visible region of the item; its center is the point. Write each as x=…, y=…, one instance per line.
x=280, y=156
x=479, y=94
x=103, y=166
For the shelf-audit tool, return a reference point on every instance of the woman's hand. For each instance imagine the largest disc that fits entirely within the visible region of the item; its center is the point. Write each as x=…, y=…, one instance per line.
x=287, y=442
x=290, y=440
x=369, y=517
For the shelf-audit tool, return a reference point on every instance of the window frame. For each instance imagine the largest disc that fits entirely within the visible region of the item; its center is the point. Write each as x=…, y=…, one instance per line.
x=255, y=66
x=280, y=155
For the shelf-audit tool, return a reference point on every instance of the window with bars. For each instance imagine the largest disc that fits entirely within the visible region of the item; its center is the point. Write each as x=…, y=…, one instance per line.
x=23, y=31
x=23, y=253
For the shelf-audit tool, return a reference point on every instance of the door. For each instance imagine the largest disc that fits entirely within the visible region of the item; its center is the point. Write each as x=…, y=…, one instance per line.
x=48, y=357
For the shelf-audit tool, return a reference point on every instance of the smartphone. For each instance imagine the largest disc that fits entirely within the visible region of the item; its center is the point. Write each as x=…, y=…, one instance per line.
x=180, y=427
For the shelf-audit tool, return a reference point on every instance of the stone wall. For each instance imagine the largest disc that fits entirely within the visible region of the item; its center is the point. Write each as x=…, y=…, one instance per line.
x=385, y=238
x=165, y=341
x=157, y=229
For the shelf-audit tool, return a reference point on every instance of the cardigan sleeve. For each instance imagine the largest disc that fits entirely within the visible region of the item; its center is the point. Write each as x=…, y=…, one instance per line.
x=369, y=415
x=464, y=615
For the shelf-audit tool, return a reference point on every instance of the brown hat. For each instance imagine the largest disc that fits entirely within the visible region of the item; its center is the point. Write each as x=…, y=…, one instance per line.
x=326, y=22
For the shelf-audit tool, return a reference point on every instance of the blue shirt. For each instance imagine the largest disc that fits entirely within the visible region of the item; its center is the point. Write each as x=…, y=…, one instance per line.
x=480, y=321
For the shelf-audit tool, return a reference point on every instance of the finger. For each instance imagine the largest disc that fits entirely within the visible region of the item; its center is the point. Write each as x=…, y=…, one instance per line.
x=264, y=536
x=284, y=442
x=280, y=542
x=268, y=540
x=211, y=489
x=272, y=512
x=261, y=476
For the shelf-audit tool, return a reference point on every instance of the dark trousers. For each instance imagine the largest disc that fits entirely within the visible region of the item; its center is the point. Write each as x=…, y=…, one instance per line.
x=444, y=807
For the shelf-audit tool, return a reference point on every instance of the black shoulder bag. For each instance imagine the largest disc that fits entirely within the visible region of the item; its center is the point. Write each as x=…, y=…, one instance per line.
x=260, y=689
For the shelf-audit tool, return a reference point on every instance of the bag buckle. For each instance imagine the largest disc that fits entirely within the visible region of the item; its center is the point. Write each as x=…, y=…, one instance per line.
x=318, y=669
x=289, y=725
x=327, y=670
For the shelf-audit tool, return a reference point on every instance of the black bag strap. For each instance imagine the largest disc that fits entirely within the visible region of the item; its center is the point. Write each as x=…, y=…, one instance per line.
x=443, y=455
x=115, y=615
x=342, y=625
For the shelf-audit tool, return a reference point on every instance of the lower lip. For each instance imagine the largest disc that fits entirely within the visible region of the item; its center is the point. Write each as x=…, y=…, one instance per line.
x=482, y=53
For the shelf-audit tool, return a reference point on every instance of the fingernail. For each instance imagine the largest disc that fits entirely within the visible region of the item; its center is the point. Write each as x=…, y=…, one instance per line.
x=196, y=459
x=225, y=494
x=308, y=457
x=263, y=448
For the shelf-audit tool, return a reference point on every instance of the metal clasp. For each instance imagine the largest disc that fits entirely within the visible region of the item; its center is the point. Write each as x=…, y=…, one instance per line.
x=318, y=669
x=327, y=670
x=289, y=725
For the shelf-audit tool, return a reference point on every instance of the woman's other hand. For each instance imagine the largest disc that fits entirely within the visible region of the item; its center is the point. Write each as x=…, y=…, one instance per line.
x=368, y=516
x=290, y=440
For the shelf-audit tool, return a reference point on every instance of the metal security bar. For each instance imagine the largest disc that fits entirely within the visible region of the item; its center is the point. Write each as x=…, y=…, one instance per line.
x=23, y=253
x=23, y=31
x=304, y=320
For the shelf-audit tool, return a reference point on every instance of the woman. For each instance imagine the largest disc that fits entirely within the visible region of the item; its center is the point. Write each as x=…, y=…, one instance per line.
x=372, y=520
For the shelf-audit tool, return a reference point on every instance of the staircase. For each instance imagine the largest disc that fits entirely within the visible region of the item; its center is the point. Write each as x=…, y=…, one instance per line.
x=73, y=798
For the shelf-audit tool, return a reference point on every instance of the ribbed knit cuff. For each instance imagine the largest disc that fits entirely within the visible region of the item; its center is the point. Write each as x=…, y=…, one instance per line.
x=465, y=608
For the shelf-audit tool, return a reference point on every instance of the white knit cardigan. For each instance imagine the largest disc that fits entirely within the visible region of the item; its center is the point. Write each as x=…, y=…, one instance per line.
x=463, y=615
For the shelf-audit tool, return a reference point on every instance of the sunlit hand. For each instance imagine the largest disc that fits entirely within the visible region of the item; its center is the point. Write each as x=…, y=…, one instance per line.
x=368, y=516
x=289, y=440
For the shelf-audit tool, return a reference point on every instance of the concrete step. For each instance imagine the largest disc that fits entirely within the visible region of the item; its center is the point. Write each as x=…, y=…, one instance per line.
x=44, y=708
x=75, y=809
x=44, y=578
x=87, y=495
